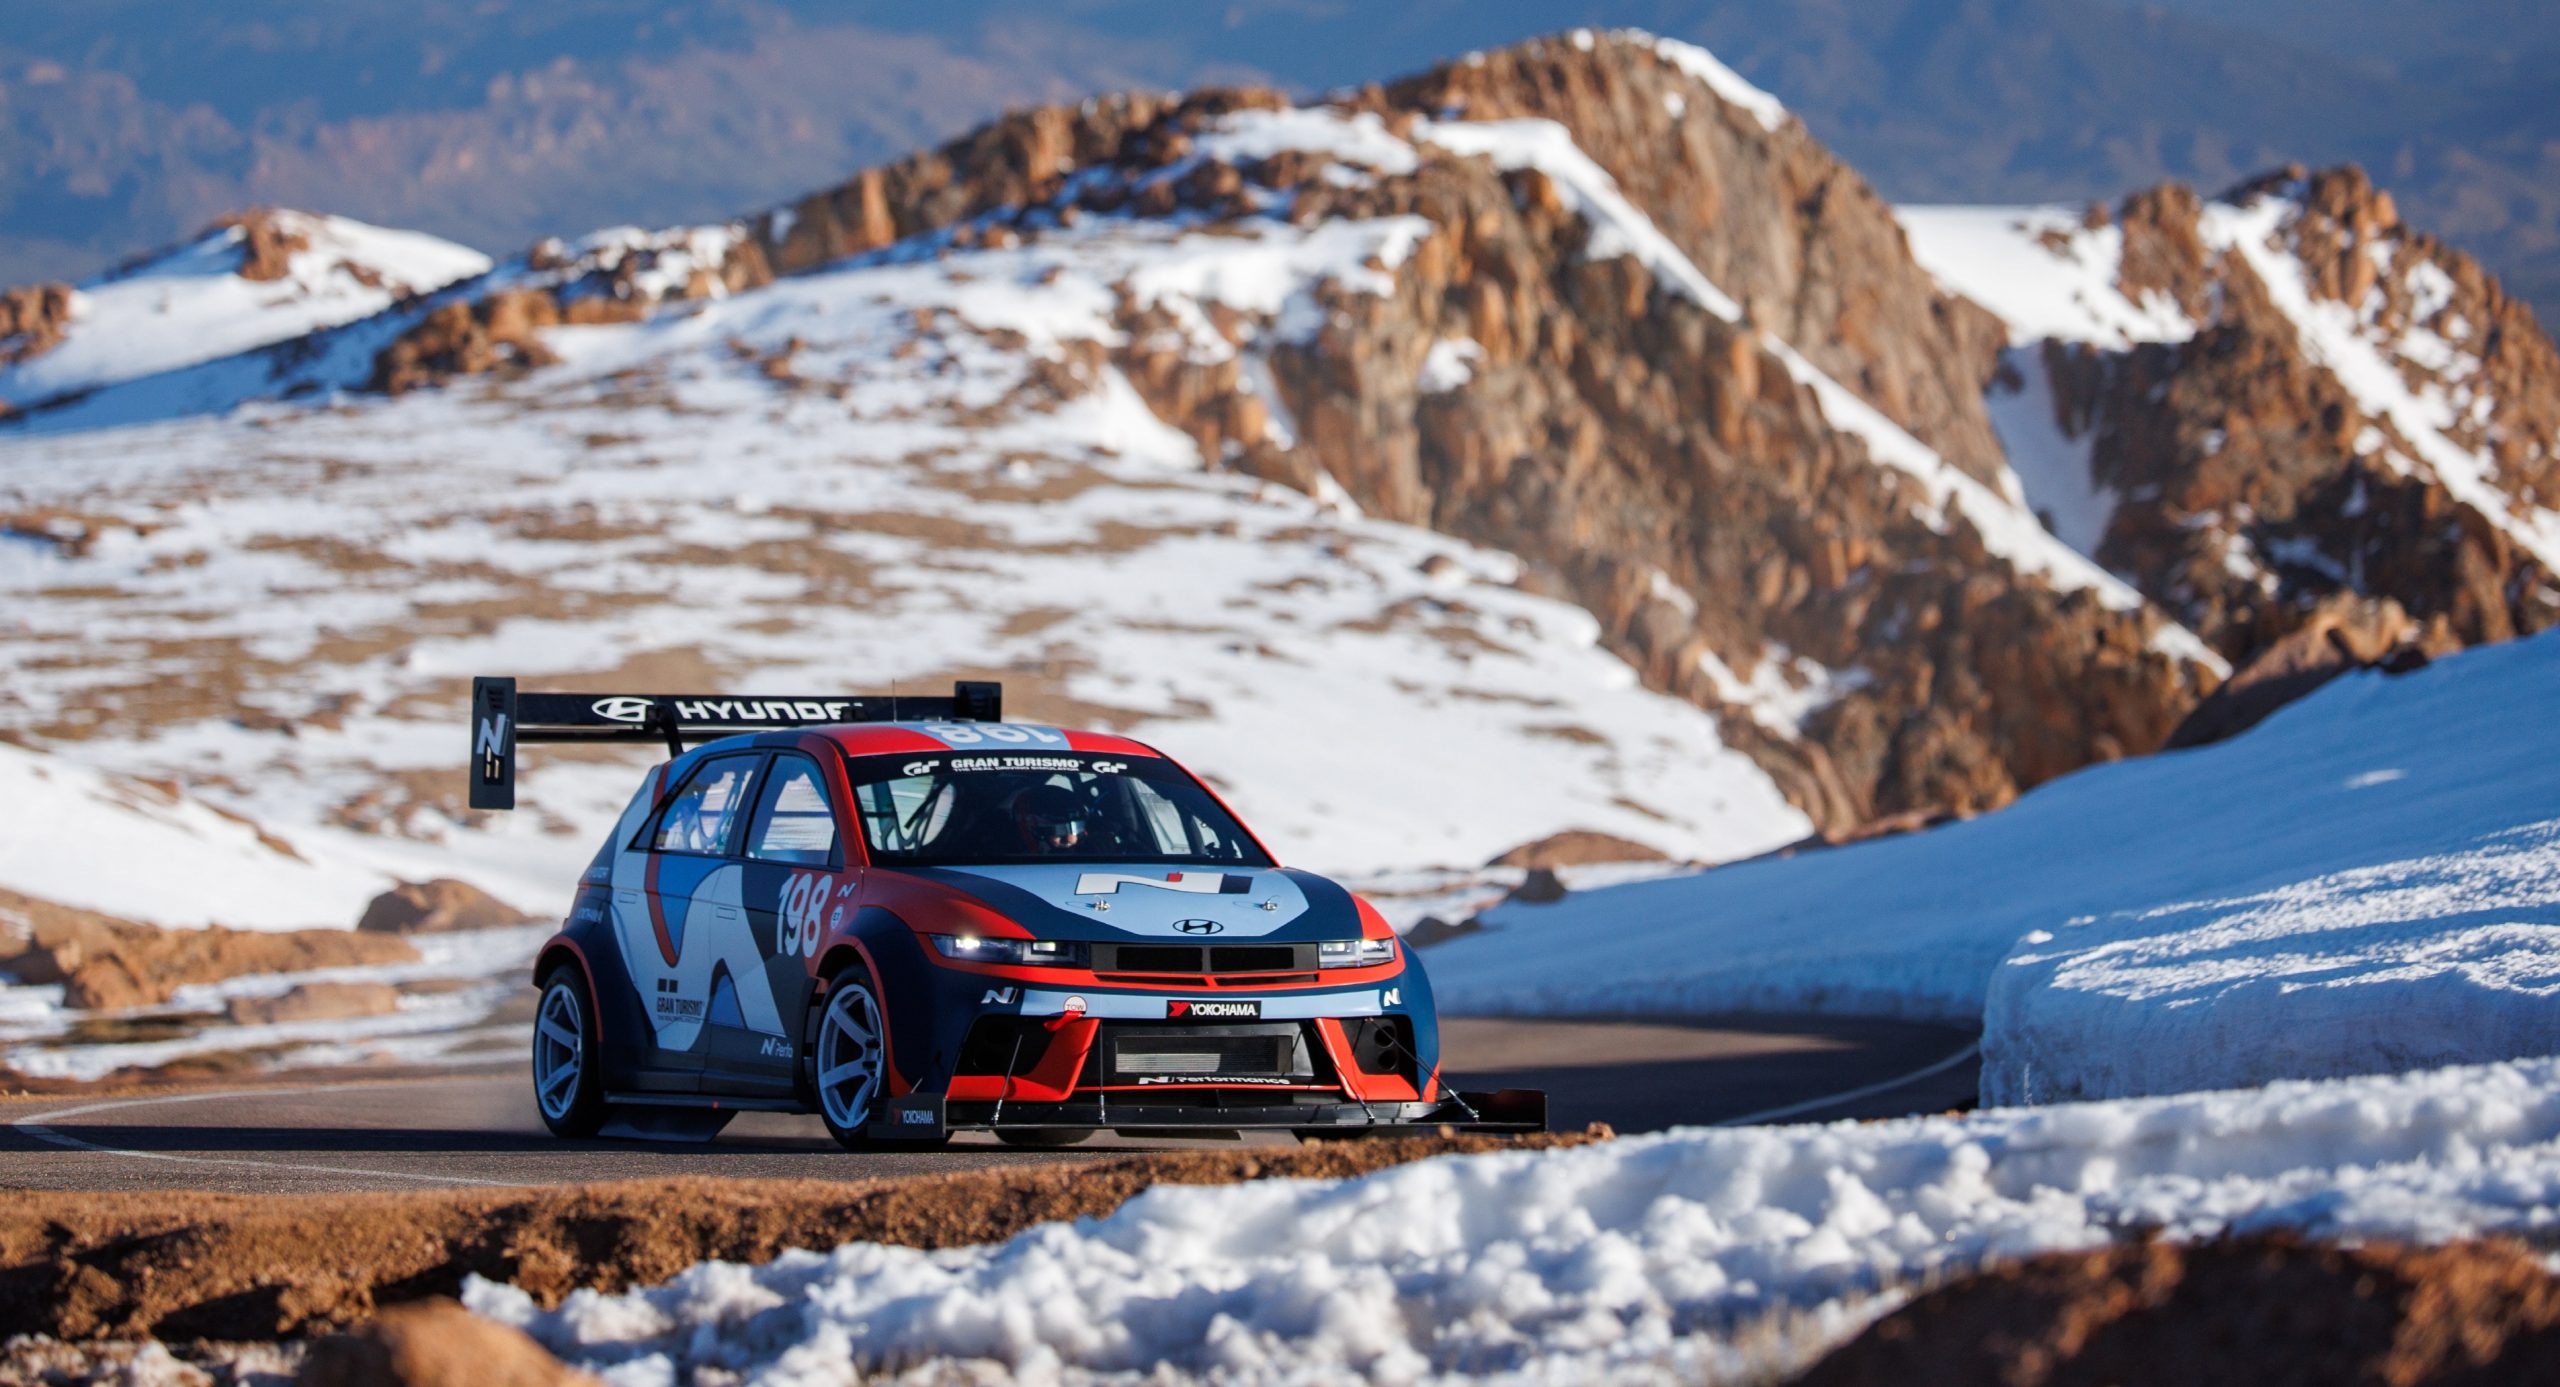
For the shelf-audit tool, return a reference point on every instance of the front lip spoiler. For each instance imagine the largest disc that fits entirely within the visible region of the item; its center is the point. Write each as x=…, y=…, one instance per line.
x=1510, y=1112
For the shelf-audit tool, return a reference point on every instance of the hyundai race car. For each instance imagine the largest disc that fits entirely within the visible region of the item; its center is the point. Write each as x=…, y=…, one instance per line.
x=914, y=918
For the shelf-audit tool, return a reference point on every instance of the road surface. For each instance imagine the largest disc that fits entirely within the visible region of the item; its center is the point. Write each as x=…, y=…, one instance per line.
x=478, y=1128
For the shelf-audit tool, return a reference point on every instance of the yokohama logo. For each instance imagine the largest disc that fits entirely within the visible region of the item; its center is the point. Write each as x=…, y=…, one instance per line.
x=1213, y=1011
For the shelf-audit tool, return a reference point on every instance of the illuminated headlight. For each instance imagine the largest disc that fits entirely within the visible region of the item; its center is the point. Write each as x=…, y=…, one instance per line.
x=1356, y=953
x=1021, y=953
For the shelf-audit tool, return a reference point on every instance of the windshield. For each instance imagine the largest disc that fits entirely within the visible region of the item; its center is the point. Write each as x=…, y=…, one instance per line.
x=992, y=808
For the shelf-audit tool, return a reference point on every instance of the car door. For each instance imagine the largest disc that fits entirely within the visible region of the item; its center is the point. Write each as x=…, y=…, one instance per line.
x=684, y=939
x=796, y=882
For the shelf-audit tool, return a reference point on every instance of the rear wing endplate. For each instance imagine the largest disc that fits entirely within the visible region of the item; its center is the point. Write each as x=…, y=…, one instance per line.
x=501, y=718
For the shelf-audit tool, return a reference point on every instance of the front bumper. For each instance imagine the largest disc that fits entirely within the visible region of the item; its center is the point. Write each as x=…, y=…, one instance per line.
x=1510, y=1111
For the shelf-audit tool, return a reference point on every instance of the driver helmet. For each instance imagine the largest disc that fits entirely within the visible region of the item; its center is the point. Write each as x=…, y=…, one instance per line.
x=1050, y=818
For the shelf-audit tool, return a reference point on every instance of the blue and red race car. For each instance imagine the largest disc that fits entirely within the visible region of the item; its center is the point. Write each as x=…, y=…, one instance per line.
x=915, y=918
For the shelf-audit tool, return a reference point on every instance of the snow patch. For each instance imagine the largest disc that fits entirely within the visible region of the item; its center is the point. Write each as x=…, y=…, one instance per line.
x=1630, y=1260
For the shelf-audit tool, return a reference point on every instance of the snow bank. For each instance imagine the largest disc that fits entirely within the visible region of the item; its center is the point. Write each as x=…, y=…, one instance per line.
x=2368, y=881
x=1634, y=1259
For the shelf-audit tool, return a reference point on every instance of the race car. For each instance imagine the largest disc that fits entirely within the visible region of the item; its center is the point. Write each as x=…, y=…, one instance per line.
x=913, y=918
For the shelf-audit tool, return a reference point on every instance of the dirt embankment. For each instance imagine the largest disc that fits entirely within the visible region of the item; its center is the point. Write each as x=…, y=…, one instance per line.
x=2271, y=1311
x=202, y=1266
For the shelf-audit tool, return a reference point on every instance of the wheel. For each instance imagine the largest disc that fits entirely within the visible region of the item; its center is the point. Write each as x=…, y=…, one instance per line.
x=1043, y=1136
x=847, y=1067
x=568, y=1085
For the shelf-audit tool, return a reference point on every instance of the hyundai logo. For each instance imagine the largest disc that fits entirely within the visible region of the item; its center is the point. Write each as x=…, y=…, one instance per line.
x=624, y=708
x=1198, y=926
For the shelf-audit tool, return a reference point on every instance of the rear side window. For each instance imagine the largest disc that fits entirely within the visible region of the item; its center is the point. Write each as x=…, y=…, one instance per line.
x=704, y=815
x=794, y=821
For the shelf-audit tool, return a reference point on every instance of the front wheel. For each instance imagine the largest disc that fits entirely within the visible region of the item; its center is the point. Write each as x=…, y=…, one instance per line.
x=568, y=1088
x=848, y=1066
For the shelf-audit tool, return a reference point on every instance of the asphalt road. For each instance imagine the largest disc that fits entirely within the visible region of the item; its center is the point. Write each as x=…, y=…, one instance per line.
x=478, y=1128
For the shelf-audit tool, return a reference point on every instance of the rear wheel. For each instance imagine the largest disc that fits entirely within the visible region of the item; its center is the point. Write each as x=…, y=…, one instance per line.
x=568, y=1087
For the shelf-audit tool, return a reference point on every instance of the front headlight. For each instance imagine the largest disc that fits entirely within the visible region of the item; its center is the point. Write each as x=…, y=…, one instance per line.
x=1356, y=953
x=1020, y=953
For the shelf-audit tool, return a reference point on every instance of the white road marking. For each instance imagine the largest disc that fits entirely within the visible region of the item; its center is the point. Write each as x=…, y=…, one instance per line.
x=1833, y=1100
x=39, y=1126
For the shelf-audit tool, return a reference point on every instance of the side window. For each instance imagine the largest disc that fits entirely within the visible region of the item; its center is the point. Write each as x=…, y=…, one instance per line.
x=794, y=822
x=905, y=814
x=1162, y=820
x=704, y=814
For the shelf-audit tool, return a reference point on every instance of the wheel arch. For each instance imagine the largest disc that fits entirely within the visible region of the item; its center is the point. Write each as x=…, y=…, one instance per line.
x=563, y=952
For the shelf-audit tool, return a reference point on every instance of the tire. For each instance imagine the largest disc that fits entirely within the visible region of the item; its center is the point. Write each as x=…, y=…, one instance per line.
x=568, y=1069
x=1043, y=1136
x=848, y=1068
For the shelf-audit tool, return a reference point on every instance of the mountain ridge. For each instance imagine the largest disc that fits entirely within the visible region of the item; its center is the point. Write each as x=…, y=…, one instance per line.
x=1590, y=305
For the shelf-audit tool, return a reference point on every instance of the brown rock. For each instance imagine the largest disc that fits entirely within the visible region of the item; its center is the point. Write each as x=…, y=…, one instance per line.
x=317, y=1001
x=1431, y=929
x=105, y=963
x=2270, y=1311
x=32, y=319
x=1540, y=887
x=432, y=1343
x=1576, y=847
x=437, y=907
x=2343, y=633
x=267, y=247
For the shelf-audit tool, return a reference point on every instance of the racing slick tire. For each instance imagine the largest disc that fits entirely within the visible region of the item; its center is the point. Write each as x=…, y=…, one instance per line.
x=568, y=1077
x=1043, y=1136
x=847, y=1067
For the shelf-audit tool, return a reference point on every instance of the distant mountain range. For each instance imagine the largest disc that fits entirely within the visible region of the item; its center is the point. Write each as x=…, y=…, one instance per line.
x=128, y=124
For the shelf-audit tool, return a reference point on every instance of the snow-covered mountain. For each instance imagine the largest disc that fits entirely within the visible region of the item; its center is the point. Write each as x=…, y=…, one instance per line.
x=2276, y=399
x=1557, y=439
x=256, y=279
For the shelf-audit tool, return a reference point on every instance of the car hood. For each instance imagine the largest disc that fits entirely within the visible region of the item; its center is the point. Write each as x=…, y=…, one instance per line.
x=1107, y=901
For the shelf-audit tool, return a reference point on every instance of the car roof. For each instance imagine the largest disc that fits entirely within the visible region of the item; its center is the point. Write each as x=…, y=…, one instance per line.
x=913, y=738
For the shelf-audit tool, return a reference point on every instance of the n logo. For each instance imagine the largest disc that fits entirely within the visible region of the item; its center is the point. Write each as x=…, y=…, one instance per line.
x=491, y=745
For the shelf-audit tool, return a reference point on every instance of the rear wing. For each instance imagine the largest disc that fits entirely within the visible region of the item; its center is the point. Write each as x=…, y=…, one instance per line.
x=501, y=718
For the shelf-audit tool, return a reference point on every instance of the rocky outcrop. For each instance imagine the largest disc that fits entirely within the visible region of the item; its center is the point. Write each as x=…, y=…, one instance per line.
x=2342, y=633
x=1806, y=245
x=315, y=1001
x=268, y=244
x=2258, y=479
x=107, y=964
x=613, y=277
x=32, y=319
x=437, y=907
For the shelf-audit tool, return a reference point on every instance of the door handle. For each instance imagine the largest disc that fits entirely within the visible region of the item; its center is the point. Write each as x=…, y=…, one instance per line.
x=726, y=912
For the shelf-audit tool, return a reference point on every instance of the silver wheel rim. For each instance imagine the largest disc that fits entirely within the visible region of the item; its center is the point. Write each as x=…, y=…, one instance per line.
x=849, y=1057
x=559, y=1050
